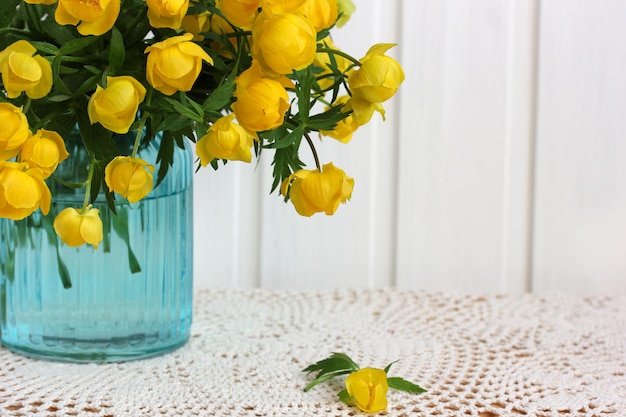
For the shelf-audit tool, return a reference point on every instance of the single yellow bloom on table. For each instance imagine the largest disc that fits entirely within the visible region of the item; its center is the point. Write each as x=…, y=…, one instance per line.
x=175, y=63
x=225, y=140
x=261, y=101
x=129, y=177
x=24, y=71
x=379, y=76
x=75, y=227
x=312, y=191
x=91, y=17
x=368, y=387
x=167, y=13
x=44, y=150
x=14, y=131
x=115, y=106
x=22, y=191
x=283, y=43
x=240, y=13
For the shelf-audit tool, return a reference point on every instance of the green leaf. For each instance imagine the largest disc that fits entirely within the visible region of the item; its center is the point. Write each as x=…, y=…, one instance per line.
x=183, y=110
x=222, y=96
x=8, y=9
x=327, y=120
x=294, y=137
x=335, y=365
x=120, y=225
x=77, y=44
x=165, y=157
x=305, y=80
x=404, y=385
x=388, y=367
x=45, y=47
x=345, y=397
x=117, y=52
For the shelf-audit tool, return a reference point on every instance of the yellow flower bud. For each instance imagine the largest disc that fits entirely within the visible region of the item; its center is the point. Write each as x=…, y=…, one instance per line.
x=368, y=387
x=76, y=228
x=345, y=9
x=273, y=7
x=321, y=13
x=175, y=63
x=312, y=191
x=283, y=43
x=240, y=13
x=345, y=127
x=22, y=191
x=225, y=140
x=379, y=76
x=14, y=131
x=44, y=150
x=129, y=177
x=261, y=101
x=115, y=107
x=92, y=17
x=196, y=24
x=167, y=13
x=23, y=71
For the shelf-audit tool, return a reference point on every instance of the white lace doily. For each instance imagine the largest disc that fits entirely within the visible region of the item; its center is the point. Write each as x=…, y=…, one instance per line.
x=476, y=355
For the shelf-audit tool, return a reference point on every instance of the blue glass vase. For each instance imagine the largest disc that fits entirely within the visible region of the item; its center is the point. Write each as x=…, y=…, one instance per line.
x=131, y=298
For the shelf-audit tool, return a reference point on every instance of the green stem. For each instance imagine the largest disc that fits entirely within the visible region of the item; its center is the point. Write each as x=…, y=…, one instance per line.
x=142, y=123
x=312, y=146
x=340, y=53
x=92, y=168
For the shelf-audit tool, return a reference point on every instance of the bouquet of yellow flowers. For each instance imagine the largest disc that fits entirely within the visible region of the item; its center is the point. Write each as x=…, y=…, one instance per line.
x=235, y=76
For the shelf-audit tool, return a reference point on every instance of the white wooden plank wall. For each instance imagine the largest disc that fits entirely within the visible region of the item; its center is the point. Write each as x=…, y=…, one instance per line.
x=501, y=166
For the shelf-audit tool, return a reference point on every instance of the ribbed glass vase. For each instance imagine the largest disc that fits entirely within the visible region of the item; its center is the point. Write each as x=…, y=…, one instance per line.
x=130, y=298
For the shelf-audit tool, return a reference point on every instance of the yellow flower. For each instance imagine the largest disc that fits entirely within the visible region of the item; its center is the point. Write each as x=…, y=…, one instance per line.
x=321, y=13
x=368, y=387
x=22, y=191
x=44, y=150
x=273, y=7
x=40, y=1
x=363, y=110
x=345, y=9
x=129, y=177
x=225, y=140
x=261, y=101
x=167, y=13
x=345, y=127
x=379, y=76
x=115, y=106
x=23, y=71
x=312, y=191
x=196, y=24
x=240, y=13
x=283, y=43
x=175, y=63
x=93, y=17
x=76, y=228
x=14, y=131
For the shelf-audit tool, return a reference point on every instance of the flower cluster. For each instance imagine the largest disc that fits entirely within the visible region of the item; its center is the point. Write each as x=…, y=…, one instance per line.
x=366, y=388
x=240, y=77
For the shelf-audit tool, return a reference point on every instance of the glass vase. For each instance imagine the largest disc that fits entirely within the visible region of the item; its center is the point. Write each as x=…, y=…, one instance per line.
x=131, y=298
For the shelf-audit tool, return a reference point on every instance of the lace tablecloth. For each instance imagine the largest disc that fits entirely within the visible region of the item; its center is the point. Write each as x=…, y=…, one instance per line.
x=477, y=355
